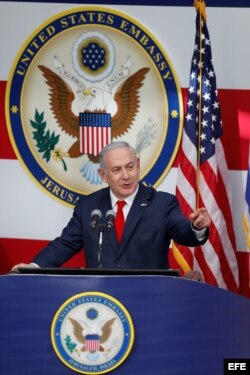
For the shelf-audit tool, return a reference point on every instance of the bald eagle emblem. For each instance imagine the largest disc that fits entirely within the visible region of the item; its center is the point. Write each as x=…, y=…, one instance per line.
x=122, y=104
x=93, y=341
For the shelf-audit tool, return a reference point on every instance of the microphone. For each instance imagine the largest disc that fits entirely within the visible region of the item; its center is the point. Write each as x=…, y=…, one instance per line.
x=110, y=216
x=95, y=217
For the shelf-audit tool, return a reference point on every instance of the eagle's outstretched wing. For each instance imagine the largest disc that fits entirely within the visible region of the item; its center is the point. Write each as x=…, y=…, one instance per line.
x=106, y=330
x=61, y=98
x=78, y=330
x=128, y=103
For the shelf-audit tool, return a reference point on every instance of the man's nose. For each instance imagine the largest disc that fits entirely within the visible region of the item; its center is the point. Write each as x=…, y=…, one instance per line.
x=125, y=173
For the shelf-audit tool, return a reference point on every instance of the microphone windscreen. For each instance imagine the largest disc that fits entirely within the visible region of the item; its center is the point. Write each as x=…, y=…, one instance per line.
x=96, y=212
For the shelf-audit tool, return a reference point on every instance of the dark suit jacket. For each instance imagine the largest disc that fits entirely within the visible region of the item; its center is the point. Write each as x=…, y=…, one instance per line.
x=153, y=220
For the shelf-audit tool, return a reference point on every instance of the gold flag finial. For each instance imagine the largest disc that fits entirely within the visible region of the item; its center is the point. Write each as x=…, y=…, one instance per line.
x=200, y=6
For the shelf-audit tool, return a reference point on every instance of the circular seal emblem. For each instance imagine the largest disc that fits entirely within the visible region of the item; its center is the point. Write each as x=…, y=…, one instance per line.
x=92, y=333
x=86, y=77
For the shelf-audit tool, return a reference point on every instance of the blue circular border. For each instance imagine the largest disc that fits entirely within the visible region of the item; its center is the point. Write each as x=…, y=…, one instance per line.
x=100, y=298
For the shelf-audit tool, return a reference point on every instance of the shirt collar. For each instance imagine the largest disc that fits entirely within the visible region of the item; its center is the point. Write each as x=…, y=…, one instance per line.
x=129, y=200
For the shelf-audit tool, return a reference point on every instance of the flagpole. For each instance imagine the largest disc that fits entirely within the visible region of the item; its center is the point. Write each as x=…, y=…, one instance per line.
x=201, y=8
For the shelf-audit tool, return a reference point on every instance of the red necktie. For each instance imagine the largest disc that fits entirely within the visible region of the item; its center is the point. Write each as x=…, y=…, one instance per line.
x=119, y=220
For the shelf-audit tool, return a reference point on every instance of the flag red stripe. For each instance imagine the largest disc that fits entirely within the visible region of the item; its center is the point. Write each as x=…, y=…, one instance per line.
x=216, y=186
x=204, y=268
x=6, y=149
x=94, y=139
x=186, y=208
x=226, y=270
x=218, y=248
x=15, y=250
x=221, y=197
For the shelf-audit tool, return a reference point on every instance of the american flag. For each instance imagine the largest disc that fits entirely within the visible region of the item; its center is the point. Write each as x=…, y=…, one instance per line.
x=202, y=172
x=95, y=132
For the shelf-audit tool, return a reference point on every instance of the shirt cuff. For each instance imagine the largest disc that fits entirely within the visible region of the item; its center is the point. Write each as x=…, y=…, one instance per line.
x=200, y=233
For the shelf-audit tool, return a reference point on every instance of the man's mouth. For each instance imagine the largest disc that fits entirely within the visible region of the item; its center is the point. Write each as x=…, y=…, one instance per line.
x=127, y=185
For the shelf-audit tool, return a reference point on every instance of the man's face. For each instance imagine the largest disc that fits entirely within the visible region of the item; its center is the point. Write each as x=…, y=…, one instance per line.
x=122, y=171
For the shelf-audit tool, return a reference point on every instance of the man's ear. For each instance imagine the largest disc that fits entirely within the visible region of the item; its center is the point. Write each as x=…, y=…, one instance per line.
x=138, y=163
x=102, y=174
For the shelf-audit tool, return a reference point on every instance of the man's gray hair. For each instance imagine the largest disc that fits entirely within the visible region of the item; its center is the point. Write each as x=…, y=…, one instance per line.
x=112, y=146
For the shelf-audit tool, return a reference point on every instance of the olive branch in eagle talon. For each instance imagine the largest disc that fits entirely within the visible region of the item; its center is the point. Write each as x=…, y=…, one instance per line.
x=46, y=141
x=71, y=345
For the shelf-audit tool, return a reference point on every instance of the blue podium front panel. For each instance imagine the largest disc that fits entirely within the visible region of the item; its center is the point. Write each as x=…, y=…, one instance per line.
x=180, y=326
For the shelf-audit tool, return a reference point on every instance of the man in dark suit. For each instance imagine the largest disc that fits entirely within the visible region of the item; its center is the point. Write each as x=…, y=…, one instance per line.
x=152, y=219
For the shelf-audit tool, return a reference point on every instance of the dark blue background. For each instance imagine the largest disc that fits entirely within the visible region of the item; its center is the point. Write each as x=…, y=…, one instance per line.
x=209, y=3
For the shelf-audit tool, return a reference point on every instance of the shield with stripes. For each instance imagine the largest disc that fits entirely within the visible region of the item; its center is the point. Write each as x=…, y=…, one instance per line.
x=95, y=132
x=92, y=343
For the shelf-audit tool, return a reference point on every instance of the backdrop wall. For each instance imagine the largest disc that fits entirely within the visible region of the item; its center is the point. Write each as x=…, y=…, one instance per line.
x=29, y=217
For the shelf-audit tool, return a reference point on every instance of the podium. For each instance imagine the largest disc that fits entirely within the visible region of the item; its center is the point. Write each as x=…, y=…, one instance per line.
x=180, y=326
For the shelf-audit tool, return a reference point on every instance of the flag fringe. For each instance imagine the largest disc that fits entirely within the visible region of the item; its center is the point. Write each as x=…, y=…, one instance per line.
x=180, y=259
x=246, y=230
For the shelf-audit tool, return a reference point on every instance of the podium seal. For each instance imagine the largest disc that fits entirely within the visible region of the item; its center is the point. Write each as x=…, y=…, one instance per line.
x=92, y=333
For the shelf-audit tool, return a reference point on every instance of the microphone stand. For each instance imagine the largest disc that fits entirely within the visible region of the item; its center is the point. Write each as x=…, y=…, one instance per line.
x=95, y=216
x=101, y=231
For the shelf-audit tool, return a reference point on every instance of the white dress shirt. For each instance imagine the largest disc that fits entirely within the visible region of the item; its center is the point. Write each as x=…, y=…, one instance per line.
x=129, y=201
